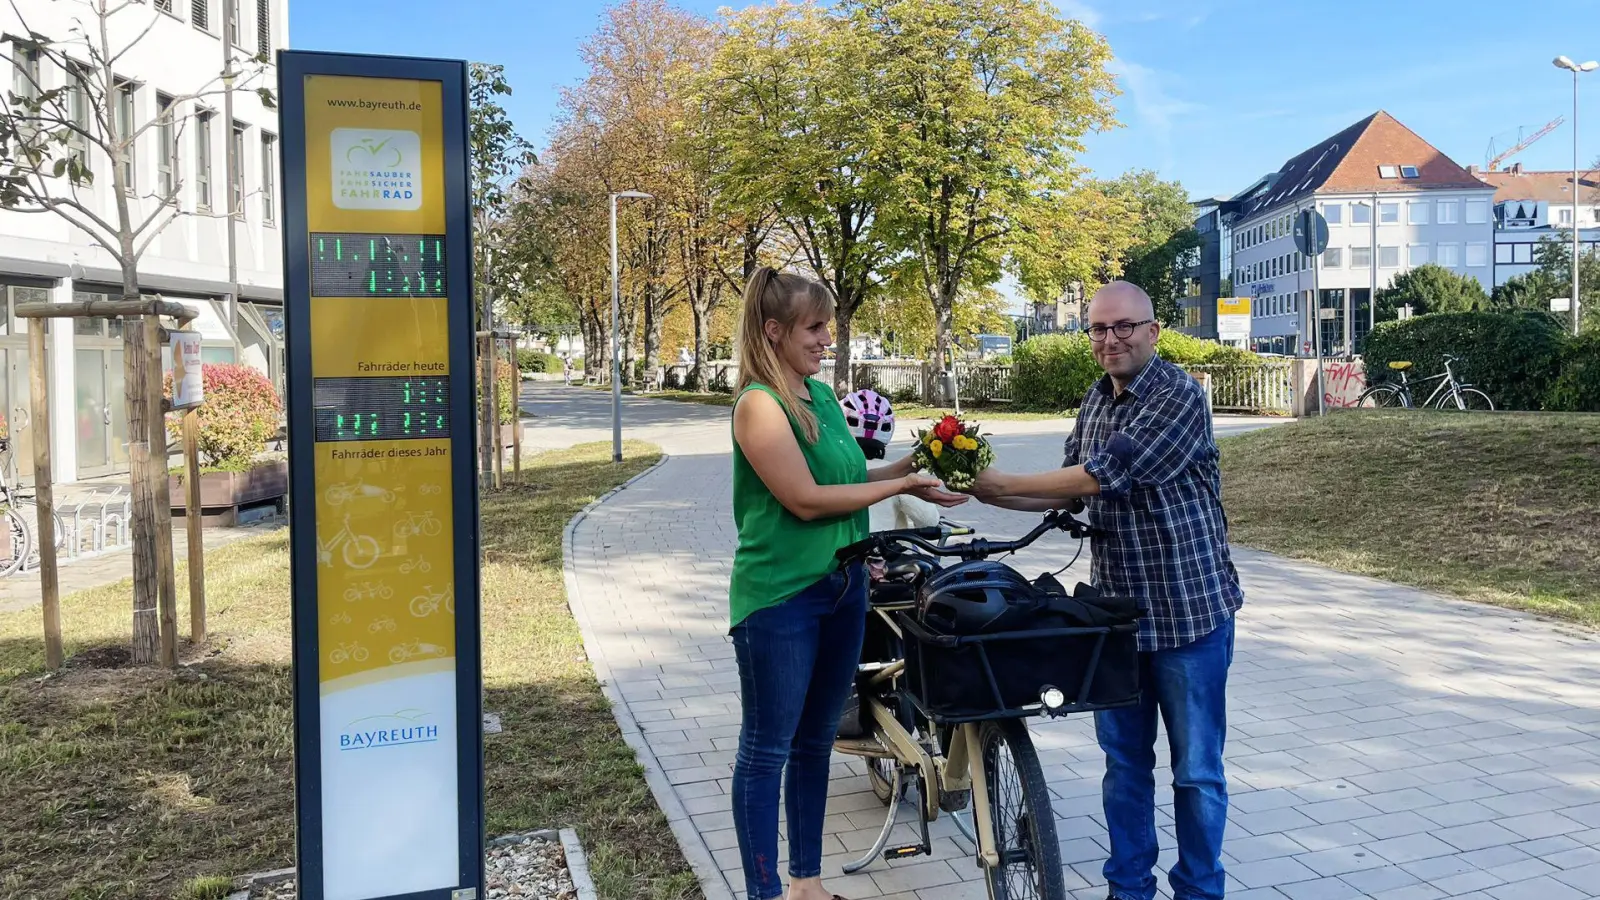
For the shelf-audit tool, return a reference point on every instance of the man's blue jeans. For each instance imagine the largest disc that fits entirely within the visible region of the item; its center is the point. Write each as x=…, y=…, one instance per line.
x=796, y=663
x=1188, y=686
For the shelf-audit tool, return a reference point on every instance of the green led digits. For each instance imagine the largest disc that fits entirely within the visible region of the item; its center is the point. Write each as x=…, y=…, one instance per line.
x=378, y=265
x=385, y=408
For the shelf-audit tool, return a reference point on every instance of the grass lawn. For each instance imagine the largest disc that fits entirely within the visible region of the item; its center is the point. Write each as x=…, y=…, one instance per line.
x=122, y=783
x=1501, y=508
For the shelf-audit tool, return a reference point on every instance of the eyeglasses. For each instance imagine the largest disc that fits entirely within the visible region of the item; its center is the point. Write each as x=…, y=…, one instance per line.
x=1123, y=330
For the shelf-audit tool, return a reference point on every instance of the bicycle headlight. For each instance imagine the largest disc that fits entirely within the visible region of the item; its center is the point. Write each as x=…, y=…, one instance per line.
x=1052, y=698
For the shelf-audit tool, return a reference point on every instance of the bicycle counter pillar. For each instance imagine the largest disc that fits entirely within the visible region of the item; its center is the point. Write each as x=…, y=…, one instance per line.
x=383, y=477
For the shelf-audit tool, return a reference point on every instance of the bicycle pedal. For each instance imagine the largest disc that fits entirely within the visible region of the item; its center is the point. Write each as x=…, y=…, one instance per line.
x=907, y=850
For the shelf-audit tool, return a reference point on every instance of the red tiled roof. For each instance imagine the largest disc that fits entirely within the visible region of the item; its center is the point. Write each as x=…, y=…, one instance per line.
x=1554, y=187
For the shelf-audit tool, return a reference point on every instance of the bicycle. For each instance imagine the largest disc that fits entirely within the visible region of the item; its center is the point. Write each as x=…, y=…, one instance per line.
x=428, y=602
x=961, y=752
x=19, y=516
x=360, y=551
x=417, y=524
x=403, y=652
x=347, y=652
x=368, y=590
x=1450, y=394
x=340, y=494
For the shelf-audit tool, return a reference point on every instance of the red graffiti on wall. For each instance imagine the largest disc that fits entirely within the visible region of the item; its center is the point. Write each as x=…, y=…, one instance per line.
x=1342, y=383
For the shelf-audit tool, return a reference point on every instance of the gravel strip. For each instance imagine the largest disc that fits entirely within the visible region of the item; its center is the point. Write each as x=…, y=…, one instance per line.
x=528, y=870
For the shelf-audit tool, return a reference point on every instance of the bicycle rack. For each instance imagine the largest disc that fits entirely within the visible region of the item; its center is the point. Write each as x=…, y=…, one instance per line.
x=94, y=526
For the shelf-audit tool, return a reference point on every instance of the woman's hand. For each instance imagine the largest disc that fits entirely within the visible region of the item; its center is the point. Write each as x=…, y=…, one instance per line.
x=931, y=489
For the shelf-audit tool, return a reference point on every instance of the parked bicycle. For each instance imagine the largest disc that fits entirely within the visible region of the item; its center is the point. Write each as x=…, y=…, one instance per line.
x=945, y=711
x=1450, y=394
x=18, y=517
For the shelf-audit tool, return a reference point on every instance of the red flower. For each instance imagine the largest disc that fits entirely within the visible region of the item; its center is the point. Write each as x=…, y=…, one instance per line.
x=947, y=429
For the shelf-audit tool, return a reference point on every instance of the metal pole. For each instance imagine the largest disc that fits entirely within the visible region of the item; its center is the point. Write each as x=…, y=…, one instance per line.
x=1575, y=319
x=616, y=332
x=230, y=10
x=1316, y=322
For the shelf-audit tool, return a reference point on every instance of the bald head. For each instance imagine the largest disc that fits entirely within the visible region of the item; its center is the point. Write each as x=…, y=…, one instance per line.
x=1122, y=330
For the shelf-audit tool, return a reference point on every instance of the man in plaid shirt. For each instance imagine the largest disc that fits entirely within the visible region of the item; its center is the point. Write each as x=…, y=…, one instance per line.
x=1144, y=462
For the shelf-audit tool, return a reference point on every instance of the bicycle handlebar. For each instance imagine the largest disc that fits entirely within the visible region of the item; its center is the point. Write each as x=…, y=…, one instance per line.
x=978, y=548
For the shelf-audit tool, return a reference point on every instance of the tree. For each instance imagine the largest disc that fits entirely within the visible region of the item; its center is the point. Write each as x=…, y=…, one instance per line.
x=986, y=103
x=799, y=102
x=56, y=140
x=1529, y=290
x=1554, y=258
x=1427, y=289
x=498, y=154
x=1163, y=237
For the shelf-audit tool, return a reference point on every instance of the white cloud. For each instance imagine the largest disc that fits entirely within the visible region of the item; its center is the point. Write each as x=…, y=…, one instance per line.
x=1155, y=107
x=1078, y=9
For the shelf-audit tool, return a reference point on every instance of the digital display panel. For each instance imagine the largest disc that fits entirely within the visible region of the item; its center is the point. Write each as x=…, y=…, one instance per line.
x=378, y=265
x=382, y=409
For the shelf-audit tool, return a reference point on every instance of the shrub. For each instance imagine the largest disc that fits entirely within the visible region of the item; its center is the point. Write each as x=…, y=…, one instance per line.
x=533, y=362
x=241, y=411
x=506, y=390
x=1511, y=356
x=1576, y=386
x=1053, y=371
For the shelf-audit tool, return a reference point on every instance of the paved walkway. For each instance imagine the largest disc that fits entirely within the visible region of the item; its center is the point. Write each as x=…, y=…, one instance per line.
x=1383, y=742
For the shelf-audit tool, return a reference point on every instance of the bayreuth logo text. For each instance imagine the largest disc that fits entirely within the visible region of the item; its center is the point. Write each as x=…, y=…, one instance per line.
x=406, y=726
x=377, y=169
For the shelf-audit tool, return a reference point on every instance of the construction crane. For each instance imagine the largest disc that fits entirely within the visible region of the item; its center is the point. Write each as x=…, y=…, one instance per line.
x=1495, y=161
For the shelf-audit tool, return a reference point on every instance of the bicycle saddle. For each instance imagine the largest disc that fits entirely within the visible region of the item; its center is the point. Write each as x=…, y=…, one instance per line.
x=1400, y=365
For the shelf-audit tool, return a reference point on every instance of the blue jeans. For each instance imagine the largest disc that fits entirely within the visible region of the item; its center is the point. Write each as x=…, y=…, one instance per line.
x=1188, y=686
x=796, y=663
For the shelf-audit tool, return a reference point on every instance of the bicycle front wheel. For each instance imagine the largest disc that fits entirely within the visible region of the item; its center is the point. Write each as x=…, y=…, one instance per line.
x=1019, y=811
x=1468, y=399
x=1383, y=396
x=16, y=541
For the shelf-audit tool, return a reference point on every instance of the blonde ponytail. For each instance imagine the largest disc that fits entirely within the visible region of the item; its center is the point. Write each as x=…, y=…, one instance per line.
x=771, y=295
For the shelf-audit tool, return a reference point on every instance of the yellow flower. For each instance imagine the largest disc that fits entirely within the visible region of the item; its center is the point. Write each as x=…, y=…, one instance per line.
x=962, y=442
x=937, y=447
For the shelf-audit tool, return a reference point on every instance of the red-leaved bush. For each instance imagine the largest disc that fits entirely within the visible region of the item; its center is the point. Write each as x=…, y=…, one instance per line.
x=241, y=411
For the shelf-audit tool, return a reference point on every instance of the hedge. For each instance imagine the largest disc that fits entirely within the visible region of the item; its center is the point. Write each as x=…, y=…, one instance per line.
x=1054, y=371
x=1513, y=356
x=241, y=411
x=1576, y=385
x=535, y=363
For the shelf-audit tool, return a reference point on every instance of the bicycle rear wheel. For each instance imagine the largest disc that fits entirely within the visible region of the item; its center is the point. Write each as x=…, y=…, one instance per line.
x=1471, y=400
x=16, y=541
x=1382, y=396
x=1019, y=810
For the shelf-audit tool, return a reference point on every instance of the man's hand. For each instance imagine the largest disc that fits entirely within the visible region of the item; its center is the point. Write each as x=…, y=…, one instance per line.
x=990, y=485
x=937, y=495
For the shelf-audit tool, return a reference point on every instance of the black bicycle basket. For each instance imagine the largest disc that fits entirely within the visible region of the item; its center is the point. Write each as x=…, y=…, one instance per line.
x=1000, y=675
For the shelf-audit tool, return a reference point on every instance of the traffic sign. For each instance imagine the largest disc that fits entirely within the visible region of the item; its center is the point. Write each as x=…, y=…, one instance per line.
x=1310, y=232
x=384, y=545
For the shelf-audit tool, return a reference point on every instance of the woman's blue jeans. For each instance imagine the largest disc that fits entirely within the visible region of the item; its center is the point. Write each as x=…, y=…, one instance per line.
x=796, y=663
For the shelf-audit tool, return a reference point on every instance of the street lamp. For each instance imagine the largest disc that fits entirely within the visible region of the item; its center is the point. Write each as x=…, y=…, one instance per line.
x=616, y=331
x=1562, y=62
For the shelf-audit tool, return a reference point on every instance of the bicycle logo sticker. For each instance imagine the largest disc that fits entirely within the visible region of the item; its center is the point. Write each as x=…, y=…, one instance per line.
x=429, y=602
x=359, y=551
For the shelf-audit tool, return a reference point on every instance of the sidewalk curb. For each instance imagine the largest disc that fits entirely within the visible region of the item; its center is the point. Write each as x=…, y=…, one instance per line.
x=690, y=841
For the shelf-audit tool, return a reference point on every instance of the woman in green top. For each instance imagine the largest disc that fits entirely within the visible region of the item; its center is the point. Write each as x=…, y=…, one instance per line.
x=801, y=488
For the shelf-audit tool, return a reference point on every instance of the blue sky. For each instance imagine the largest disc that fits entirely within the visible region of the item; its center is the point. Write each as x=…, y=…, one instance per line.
x=1215, y=92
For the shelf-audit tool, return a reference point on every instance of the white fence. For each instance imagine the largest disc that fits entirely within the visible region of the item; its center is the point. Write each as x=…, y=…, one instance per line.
x=1264, y=388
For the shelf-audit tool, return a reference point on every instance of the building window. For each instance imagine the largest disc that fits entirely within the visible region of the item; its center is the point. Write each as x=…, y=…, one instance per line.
x=1333, y=212
x=1360, y=257
x=1388, y=171
x=202, y=159
x=1408, y=172
x=1449, y=213
x=1360, y=214
x=1502, y=253
x=264, y=26
x=166, y=7
x=1388, y=257
x=1417, y=254
x=235, y=36
x=1522, y=254
x=1477, y=214
x=1417, y=212
x=166, y=149
x=78, y=109
x=124, y=126
x=1333, y=257
x=1450, y=255
x=1566, y=219
x=1477, y=253
x=236, y=188
x=200, y=14
x=269, y=177
x=1388, y=213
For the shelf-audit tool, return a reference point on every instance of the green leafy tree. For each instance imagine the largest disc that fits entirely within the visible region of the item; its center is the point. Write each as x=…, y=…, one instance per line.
x=497, y=156
x=1428, y=289
x=1163, y=237
x=1530, y=290
x=1554, y=258
x=985, y=105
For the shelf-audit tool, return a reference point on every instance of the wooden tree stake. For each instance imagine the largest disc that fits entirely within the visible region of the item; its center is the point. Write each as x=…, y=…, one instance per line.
x=44, y=494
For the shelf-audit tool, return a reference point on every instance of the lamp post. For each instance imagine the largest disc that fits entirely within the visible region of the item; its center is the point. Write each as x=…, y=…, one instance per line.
x=616, y=331
x=1562, y=62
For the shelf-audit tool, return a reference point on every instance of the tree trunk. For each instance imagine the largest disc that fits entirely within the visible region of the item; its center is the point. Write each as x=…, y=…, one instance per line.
x=842, y=376
x=700, y=310
x=654, y=313
x=752, y=246
x=146, y=590
x=944, y=305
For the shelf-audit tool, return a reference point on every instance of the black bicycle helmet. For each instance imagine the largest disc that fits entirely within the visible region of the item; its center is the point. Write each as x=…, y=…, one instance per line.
x=979, y=597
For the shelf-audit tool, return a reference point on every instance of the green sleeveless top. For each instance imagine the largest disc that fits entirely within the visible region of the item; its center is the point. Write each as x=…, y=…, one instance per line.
x=780, y=554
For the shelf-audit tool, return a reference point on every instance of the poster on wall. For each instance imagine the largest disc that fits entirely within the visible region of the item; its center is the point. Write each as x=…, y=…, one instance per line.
x=188, y=387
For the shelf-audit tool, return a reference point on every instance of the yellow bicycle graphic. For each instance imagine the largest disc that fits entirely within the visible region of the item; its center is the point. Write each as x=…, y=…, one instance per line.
x=383, y=624
x=430, y=489
x=340, y=619
x=360, y=551
x=415, y=649
x=340, y=494
x=420, y=564
x=347, y=652
x=368, y=590
x=417, y=524
x=428, y=602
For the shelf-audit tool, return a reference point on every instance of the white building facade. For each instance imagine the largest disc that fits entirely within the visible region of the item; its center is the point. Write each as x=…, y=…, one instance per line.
x=1533, y=206
x=1392, y=203
x=229, y=268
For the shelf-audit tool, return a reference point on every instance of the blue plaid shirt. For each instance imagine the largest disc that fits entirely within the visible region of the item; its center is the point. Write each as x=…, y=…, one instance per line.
x=1164, y=537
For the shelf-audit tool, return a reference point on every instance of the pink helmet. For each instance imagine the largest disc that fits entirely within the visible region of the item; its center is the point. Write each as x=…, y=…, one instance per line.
x=871, y=420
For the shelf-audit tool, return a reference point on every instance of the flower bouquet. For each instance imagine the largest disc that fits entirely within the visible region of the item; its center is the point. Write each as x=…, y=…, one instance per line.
x=953, y=451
